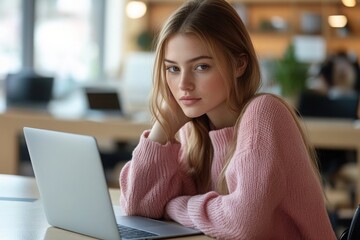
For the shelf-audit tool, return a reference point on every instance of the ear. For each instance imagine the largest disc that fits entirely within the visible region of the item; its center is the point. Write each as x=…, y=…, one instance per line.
x=241, y=65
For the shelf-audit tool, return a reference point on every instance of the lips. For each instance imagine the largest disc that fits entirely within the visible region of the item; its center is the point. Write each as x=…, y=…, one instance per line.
x=188, y=100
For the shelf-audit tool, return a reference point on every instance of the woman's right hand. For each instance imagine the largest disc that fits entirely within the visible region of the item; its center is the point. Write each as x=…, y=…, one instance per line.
x=176, y=119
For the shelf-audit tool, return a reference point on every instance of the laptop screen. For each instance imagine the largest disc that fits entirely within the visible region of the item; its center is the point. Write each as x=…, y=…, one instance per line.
x=103, y=100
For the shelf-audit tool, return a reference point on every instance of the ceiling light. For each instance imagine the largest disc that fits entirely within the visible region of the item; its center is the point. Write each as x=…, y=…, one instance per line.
x=349, y=3
x=337, y=21
x=135, y=9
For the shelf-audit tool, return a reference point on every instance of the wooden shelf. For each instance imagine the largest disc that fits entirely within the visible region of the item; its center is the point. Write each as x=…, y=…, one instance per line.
x=249, y=1
x=258, y=11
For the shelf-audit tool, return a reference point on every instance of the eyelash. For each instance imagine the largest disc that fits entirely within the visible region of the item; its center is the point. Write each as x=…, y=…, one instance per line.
x=203, y=65
x=171, y=69
x=203, y=68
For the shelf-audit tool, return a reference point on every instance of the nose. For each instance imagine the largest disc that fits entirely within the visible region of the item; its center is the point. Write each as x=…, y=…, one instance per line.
x=186, y=81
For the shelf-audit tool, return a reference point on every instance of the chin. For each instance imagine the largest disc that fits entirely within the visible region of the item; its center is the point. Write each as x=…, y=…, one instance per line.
x=193, y=115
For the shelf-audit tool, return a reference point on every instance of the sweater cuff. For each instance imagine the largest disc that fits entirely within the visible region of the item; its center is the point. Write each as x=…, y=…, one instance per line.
x=177, y=210
x=157, y=152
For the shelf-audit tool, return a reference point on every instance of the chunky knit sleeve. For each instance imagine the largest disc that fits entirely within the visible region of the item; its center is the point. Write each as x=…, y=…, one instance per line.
x=152, y=178
x=269, y=149
x=245, y=213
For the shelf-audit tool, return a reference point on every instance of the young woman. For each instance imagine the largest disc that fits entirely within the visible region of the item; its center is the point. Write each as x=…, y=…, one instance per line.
x=220, y=157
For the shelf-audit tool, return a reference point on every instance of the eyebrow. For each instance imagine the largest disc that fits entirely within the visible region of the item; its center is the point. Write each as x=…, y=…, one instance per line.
x=190, y=60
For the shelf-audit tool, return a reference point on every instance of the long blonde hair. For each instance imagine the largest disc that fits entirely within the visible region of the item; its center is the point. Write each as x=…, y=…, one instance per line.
x=219, y=27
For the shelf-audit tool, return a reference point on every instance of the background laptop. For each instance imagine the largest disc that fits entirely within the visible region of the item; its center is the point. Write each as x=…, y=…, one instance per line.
x=74, y=192
x=103, y=101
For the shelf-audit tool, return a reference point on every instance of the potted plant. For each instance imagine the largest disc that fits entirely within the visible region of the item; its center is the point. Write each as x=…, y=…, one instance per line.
x=290, y=74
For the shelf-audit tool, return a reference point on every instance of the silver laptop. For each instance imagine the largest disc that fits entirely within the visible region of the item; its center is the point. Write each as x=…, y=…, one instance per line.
x=74, y=192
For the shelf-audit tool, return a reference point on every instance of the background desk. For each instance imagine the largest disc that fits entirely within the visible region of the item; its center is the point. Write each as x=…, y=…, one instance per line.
x=336, y=134
x=12, y=123
x=22, y=215
x=324, y=133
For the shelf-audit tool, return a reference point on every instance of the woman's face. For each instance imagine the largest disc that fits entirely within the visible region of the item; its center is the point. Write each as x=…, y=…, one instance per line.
x=194, y=79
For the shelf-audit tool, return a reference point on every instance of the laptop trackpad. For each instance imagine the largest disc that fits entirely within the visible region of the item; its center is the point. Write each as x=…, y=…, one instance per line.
x=155, y=226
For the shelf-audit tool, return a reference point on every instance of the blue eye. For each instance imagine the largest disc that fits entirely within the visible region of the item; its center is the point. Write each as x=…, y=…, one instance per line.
x=202, y=67
x=172, y=69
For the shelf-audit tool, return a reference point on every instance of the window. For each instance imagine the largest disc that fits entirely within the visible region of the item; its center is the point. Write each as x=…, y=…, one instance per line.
x=66, y=39
x=70, y=40
x=10, y=36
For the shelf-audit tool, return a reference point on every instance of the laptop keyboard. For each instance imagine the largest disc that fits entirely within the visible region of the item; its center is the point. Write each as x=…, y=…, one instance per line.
x=129, y=232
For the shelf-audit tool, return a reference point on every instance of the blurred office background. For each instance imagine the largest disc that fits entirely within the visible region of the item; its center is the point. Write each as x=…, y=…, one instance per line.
x=305, y=47
x=87, y=41
x=90, y=41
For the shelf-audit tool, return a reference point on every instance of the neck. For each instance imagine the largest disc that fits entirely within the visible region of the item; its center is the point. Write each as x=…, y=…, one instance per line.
x=227, y=120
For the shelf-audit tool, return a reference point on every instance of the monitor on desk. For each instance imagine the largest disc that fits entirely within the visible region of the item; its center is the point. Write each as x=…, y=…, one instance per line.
x=28, y=89
x=313, y=104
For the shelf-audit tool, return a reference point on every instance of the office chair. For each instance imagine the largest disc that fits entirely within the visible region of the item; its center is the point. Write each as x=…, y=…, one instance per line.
x=353, y=232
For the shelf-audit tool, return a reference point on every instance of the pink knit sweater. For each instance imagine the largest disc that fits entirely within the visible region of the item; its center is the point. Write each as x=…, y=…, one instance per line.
x=273, y=191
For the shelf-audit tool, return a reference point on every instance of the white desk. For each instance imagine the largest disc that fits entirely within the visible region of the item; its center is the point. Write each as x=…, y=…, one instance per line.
x=22, y=216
